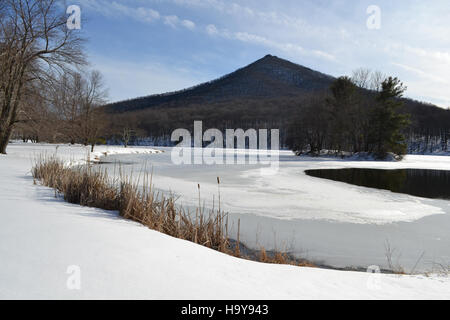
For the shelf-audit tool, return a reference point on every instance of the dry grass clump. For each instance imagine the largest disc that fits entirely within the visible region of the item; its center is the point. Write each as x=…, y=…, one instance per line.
x=79, y=185
x=94, y=188
x=278, y=257
x=160, y=213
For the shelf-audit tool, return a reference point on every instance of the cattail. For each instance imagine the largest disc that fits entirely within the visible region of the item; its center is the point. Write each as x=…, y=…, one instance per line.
x=218, y=187
x=238, y=252
x=91, y=187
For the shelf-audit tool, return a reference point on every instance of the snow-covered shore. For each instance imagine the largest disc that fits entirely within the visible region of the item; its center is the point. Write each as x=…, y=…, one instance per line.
x=41, y=237
x=79, y=155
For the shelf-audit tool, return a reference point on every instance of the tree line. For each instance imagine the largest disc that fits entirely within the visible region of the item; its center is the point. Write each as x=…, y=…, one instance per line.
x=357, y=114
x=360, y=114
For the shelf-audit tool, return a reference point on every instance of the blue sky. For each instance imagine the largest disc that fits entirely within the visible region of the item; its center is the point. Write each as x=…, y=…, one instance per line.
x=153, y=46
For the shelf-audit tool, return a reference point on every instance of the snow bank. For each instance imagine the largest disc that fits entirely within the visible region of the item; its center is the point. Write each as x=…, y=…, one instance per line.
x=96, y=155
x=349, y=156
x=74, y=154
x=43, y=240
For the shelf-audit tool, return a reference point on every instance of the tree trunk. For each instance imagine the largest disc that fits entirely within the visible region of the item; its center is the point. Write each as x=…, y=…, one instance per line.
x=4, y=139
x=2, y=147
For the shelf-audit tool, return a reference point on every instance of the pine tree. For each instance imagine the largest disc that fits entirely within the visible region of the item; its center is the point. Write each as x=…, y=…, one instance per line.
x=387, y=123
x=343, y=103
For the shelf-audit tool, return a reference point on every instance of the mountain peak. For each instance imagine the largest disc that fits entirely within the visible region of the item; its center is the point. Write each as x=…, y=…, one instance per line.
x=277, y=62
x=269, y=58
x=268, y=77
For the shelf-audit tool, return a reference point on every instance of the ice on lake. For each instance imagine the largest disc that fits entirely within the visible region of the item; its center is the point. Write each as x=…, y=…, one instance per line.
x=329, y=222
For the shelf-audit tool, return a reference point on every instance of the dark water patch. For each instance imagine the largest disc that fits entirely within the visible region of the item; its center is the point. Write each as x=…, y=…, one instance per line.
x=115, y=162
x=433, y=184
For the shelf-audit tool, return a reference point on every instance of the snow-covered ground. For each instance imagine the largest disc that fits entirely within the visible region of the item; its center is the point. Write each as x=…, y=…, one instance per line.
x=329, y=222
x=41, y=238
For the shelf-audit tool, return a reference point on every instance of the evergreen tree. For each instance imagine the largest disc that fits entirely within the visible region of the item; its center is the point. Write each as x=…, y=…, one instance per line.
x=386, y=122
x=343, y=102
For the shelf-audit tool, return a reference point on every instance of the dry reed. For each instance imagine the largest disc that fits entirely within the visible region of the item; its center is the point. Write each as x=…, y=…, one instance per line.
x=90, y=187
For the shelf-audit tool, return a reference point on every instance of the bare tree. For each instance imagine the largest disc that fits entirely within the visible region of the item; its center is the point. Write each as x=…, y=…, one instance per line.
x=362, y=77
x=65, y=98
x=367, y=79
x=77, y=97
x=93, y=95
x=126, y=136
x=376, y=81
x=34, y=120
x=34, y=41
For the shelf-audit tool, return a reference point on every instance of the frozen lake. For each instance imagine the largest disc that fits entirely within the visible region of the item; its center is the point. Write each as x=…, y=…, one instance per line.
x=326, y=221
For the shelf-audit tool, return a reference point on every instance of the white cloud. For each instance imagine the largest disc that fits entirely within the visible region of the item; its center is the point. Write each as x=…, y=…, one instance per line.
x=171, y=21
x=112, y=9
x=438, y=56
x=188, y=24
x=147, y=14
x=211, y=30
x=422, y=73
x=141, y=14
x=286, y=47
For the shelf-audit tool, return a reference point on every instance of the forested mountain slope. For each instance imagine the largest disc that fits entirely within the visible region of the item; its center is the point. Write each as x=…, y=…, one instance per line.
x=269, y=77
